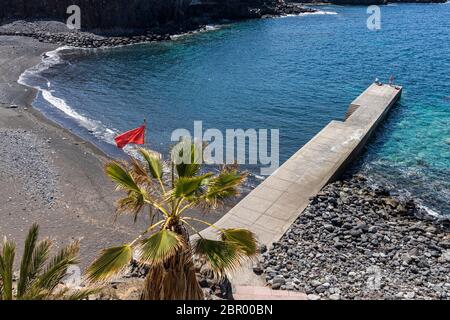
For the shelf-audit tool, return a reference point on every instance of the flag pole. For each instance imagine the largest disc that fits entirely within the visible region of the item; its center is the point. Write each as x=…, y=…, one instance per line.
x=145, y=131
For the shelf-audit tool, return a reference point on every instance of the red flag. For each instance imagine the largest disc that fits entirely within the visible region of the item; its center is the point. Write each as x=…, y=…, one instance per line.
x=136, y=136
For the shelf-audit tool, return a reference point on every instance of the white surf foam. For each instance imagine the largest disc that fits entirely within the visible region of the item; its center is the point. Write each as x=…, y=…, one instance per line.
x=258, y=177
x=430, y=211
x=50, y=59
x=206, y=28
x=319, y=12
x=93, y=126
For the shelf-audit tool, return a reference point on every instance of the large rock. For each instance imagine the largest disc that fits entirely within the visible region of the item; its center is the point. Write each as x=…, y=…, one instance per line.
x=111, y=14
x=355, y=241
x=129, y=14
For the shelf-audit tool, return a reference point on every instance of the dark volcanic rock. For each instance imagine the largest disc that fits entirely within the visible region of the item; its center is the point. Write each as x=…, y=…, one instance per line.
x=120, y=22
x=359, y=242
x=111, y=14
x=124, y=16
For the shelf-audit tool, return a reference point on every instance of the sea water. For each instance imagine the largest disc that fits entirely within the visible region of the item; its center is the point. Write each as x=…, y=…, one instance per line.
x=294, y=74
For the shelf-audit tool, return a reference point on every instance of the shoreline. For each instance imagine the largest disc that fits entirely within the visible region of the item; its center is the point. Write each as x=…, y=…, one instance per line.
x=57, y=32
x=101, y=146
x=52, y=176
x=358, y=238
x=69, y=40
x=103, y=155
x=24, y=101
x=361, y=242
x=98, y=231
x=70, y=126
x=75, y=166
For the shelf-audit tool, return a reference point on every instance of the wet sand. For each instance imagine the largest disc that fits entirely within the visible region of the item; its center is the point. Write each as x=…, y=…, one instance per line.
x=48, y=175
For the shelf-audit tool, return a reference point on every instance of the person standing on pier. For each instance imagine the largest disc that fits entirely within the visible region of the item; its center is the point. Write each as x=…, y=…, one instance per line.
x=391, y=80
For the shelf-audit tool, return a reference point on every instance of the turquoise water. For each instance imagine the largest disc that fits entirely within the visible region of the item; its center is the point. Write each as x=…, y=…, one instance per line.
x=295, y=74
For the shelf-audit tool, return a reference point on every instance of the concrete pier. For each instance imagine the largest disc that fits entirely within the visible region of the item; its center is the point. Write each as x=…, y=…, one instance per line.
x=271, y=208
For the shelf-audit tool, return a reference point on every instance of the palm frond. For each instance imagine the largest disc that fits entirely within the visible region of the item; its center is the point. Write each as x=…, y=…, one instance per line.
x=6, y=268
x=160, y=246
x=186, y=187
x=40, y=256
x=35, y=293
x=187, y=169
x=27, y=258
x=132, y=203
x=121, y=176
x=56, y=269
x=222, y=187
x=111, y=262
x=58, y=294
x=222, y=256
x=243, y=238
x=139, y=173
x=188, y=165
x=80, y=294
x=154, y=163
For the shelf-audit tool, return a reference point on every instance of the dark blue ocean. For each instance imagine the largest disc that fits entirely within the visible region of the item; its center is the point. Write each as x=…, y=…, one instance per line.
x=295, y=74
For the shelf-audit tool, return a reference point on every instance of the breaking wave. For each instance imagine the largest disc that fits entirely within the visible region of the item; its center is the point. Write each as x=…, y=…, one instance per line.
x=33, y=77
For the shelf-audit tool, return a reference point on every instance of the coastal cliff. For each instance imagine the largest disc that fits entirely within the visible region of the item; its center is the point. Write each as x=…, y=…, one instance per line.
x=133, y=15
x=99, y=14
x=138, y=14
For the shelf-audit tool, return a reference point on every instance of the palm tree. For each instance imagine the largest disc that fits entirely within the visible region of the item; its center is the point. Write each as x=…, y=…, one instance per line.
x=164, y=246
x=38, y=277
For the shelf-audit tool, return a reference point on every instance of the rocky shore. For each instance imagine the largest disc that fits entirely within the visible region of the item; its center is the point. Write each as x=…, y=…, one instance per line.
x=57, y=33
x=51, y=176
x=355, y=241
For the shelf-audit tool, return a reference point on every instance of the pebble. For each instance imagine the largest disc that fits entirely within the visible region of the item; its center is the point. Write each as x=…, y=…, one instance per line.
x=410, y=295
x=446, y=255
x=23, y=152
x=355, y=241
x=335, y=296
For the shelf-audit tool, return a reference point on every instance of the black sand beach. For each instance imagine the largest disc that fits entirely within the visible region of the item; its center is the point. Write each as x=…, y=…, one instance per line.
x=49, y=175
